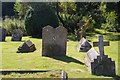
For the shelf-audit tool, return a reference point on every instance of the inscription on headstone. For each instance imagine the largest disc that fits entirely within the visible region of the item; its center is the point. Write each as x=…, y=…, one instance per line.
x=27, y=46
x=84, y=45
x=54, y=41
x=16, y=35
x=2, y=34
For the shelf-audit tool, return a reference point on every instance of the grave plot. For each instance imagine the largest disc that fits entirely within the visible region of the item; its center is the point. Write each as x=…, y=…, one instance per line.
x=54, y=41
x=16, y=35
x=100, y=64
x=2, y=34
x=51, y=74
x=84, y=45
x=27, y=46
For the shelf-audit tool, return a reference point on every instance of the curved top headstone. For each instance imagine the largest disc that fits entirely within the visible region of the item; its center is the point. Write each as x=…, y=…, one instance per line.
x=17, y=35
x=2, y=34
x=54, y=41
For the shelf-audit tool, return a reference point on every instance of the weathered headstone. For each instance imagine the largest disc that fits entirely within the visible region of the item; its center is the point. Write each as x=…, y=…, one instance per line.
x=90, y=56
x=27, y=46
x=101, y=64
x=84, y=45
x=2, y=34
x=54, y=41
x=64, y=75
x=17, y=35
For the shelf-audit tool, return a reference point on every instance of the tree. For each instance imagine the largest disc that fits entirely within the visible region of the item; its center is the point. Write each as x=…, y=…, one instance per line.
x=39, y=16
x=21, y=7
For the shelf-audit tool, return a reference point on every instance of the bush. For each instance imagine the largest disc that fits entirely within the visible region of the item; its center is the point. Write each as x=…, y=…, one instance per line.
x=13, y=23
x=39, y=16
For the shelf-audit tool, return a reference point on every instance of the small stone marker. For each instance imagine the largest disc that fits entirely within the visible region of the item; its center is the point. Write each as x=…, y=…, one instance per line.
x=84, y=45
x=64, y=75
x=17, y=35
x=2, y=34
x=102, y=65
x=54, y=41
x=27, y=46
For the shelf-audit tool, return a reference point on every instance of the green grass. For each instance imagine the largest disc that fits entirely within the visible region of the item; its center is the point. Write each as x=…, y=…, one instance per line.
x=72, y=64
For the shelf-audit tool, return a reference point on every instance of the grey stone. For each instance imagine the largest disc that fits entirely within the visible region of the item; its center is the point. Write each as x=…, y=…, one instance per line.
x=17, y=35
x=54, y=41
x=64, y=75
x=104, y=67
x=84, y=45
x=2, y=34
x=100, y=64
x=27, y=46
x=90, y=56
x=101, y=45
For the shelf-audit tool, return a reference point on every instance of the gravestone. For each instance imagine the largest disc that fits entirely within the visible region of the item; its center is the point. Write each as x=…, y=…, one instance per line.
x=101, y=65
x=17, y=35
x=27, y=46
x=84, y=45
x=2, y=34
x=54, y=41
x=64, y=75
x=90, y=56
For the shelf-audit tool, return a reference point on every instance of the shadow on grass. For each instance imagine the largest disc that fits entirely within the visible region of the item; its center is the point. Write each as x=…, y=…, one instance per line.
x=71, y=37
x=112, y=37
x=68, y=59
x=116, y=77
x=107, y=36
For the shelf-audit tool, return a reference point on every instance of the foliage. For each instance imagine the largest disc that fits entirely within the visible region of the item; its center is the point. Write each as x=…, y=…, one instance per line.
x=13, y=23
x=21, y=8
x=109, y=18
x=39, y=16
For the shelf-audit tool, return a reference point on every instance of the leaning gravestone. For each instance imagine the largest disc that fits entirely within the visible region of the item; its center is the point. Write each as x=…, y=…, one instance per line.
x=2, y=34
x=84, y=45
x=102, y=65
x=16, y=35
x=90, y=56
x=54, y=41
x=27, y=46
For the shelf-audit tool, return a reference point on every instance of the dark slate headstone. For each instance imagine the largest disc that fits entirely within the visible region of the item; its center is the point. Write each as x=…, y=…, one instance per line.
x=100, y=64
x=54, y=41
x=2, y=34
x=17, y=35
x=84, y=45
x=27, y=46
x=104, y=67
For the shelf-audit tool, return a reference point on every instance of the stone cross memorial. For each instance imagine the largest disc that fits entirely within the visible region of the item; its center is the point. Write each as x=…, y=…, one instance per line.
x=2, y=34
x=17, y=35
x=101, y=64
x=101, y=45
x=54, y=41
x=84, y=45
x=26, y=47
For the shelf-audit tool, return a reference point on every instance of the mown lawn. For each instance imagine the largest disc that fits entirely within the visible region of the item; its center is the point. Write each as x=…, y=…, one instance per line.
x=73, y=64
